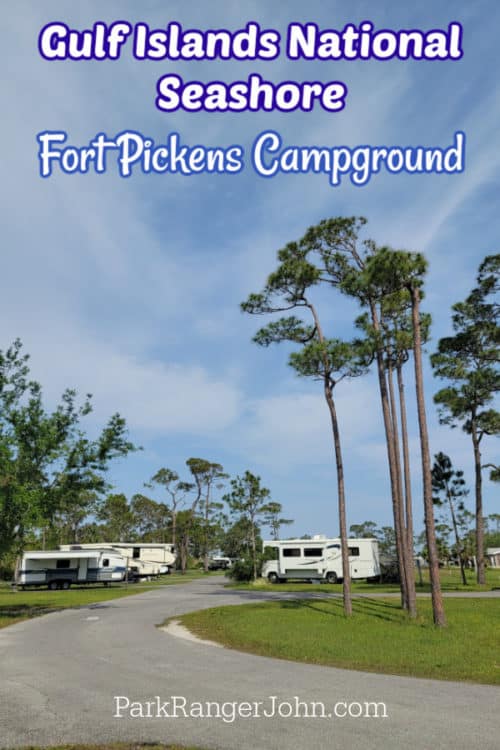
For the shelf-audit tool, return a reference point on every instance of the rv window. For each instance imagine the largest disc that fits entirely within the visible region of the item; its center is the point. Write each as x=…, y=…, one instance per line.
x=63, y=563
x=354, y=551
x=105, y=563
x=313, y=551
x=136, y=553
x=291, y=552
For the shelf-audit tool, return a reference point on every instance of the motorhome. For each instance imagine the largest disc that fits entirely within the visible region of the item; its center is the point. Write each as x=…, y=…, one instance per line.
x=58, y=569
x=320, y=559
x=144, y=559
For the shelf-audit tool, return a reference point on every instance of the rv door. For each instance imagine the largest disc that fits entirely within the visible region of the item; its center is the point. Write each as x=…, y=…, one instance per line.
x=82, y=568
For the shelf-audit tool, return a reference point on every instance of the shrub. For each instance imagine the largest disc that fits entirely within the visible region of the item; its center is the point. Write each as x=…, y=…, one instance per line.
x=7, y=566
x=241, y=570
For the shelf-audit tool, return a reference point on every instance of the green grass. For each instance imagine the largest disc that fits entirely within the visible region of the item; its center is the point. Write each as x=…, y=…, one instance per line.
x=378, y=638
x=16, y=606
x=450, y=581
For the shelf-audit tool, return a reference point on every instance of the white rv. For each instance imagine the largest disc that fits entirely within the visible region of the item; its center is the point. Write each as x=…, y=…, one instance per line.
x=218, y=562
x=320, y=559
x=58, y=570
x=144, y=559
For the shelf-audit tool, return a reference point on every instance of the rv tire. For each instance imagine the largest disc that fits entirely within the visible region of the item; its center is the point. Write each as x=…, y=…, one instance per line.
x=53, y=585
x=331, y=577
x=273, y=578
x=65, y=585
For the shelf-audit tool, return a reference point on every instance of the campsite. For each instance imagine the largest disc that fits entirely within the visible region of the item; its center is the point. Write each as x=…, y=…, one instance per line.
x=250, y=375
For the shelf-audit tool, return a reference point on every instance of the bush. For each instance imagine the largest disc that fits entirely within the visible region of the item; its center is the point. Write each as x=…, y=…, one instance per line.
x=241, y=570
x=7, y=566
x=389, y=572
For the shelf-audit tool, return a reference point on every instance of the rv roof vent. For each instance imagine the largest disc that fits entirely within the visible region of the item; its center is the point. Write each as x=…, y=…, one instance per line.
x=316, y=537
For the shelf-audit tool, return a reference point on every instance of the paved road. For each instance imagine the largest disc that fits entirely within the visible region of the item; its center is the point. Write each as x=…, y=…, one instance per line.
x=60, y=673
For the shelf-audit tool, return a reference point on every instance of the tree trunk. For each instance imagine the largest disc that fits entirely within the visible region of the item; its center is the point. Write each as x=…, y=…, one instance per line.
x=205, y=534
x=183, y=554
x=399, y=519
x=480, y=567
x=410, y=556
x=254, y=549
x=328, y=390
x=346, y=571
x=389, y=439
x=457, y=536
x=174, y=527
x=430, y=530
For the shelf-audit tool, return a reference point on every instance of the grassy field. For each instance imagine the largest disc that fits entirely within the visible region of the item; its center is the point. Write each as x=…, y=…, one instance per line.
x=450, y=581
x=378, y=638
x=23, y=605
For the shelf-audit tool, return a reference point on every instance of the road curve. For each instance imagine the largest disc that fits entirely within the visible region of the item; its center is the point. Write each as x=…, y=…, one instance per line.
x=60, y=673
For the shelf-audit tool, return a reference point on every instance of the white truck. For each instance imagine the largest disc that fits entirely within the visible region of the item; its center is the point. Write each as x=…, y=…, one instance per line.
x=144, y=559
x=320, y=559
x=59, y=569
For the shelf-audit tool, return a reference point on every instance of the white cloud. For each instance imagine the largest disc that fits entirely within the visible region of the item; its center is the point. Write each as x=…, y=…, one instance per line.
x=293, y=429
x=161, y=398
x=157, y=398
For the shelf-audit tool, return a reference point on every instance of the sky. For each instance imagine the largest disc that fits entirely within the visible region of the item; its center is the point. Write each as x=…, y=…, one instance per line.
x=129, y=289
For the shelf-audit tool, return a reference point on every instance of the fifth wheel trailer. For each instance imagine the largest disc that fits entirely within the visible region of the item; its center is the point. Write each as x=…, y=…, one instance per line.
x=320, y=559
x=59, y=569
x=144, y=559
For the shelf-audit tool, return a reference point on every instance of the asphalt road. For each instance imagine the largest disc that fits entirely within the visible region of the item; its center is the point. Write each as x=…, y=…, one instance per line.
x=60, y=675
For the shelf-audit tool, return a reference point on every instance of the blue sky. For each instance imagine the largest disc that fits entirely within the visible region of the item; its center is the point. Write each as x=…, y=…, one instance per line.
x=130, y=289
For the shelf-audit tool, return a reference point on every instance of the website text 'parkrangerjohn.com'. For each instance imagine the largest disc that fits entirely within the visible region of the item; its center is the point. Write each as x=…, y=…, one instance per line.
x=180, y=707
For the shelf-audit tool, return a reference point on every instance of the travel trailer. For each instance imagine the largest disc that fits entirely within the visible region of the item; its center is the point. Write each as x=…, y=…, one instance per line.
x=218, y=562
x=493, y=556
x=58, y=570
x=320, y=559
x=144, y=559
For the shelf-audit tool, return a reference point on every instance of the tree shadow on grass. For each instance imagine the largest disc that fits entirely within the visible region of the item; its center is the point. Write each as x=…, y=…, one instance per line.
x=331, y=605
x=334, y=608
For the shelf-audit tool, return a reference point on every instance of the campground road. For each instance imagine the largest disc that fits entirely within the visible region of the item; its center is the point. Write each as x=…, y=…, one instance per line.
x=60, y=673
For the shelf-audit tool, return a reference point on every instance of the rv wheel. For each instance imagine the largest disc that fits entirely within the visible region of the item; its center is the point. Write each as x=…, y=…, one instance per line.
x=53, y=585
x=272, y=578
x=65, y=585
x=331, y=577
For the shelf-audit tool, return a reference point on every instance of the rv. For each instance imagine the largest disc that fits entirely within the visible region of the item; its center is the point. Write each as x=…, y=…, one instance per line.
x=320, y=559
x=58, y=569
x=144, y=559
x=493, y=556
x=218, y=562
